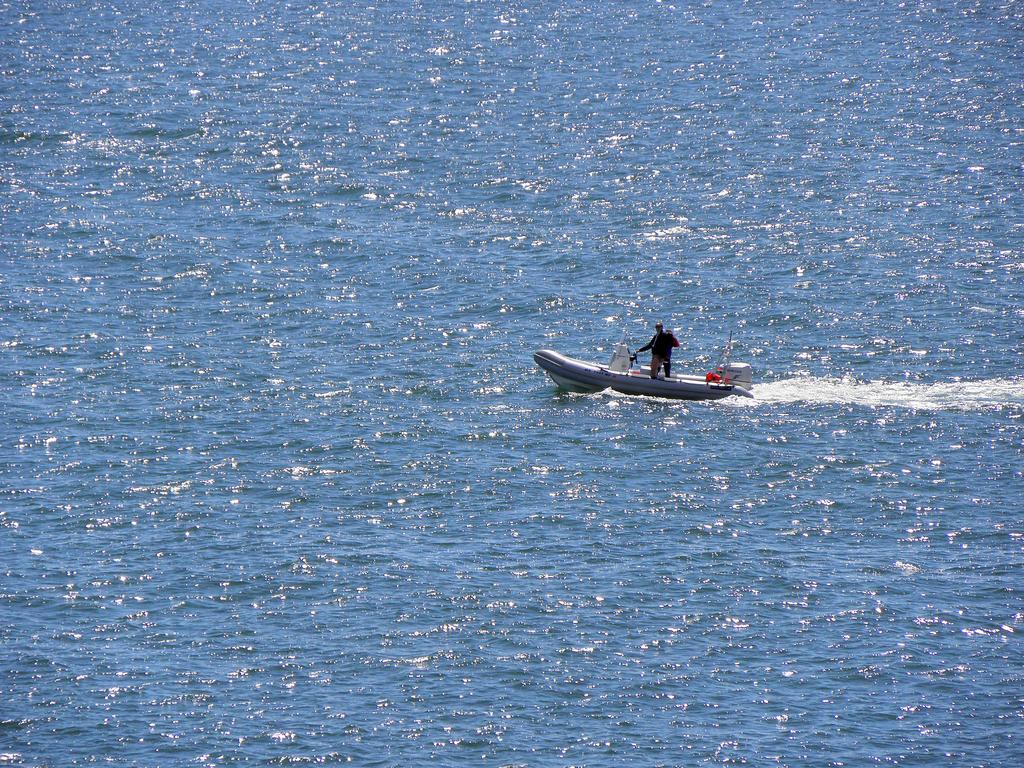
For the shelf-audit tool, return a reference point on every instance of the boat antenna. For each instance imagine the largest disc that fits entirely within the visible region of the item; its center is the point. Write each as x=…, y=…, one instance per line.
x=723, y=359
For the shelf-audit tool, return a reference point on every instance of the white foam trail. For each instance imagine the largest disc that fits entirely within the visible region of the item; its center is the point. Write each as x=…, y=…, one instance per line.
x=990, y=394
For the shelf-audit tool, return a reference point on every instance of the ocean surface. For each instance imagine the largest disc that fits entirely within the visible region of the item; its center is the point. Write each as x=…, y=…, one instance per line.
x=280, y=483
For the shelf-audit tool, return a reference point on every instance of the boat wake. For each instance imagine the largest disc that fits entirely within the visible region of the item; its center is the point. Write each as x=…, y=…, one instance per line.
x=990, y=394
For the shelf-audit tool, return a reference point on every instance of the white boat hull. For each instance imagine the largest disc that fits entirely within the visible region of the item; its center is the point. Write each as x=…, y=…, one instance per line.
x=581, y=376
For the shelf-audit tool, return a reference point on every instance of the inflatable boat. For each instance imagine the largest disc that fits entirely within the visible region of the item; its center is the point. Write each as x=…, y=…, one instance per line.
x=727, y=378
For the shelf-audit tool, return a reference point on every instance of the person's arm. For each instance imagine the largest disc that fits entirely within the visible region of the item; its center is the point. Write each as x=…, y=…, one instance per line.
x=675, y=341
x=648, y=345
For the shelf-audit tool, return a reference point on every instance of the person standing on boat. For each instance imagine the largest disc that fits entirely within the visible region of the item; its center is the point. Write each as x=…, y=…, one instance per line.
x=661, y=346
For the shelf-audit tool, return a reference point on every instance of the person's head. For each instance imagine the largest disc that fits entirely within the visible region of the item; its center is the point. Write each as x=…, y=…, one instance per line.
x=657, y=326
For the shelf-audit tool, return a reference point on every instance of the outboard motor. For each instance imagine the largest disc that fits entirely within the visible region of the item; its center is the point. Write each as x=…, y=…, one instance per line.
x=737, y=373
x=620, y=359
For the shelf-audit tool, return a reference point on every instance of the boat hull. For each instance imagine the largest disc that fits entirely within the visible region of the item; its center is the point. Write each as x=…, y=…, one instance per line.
x=581, y=376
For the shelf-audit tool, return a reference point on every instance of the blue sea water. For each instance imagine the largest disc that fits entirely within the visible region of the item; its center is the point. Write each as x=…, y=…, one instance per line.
x=281, y=484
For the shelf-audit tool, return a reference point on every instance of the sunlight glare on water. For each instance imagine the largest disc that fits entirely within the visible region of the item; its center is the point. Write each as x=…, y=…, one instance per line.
x=280, y=482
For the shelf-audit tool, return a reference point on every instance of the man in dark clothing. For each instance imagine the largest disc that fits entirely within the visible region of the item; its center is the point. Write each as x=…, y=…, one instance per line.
x=661, y=346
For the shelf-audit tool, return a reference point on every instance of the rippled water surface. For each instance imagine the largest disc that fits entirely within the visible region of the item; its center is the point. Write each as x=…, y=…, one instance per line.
x=281, y=484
